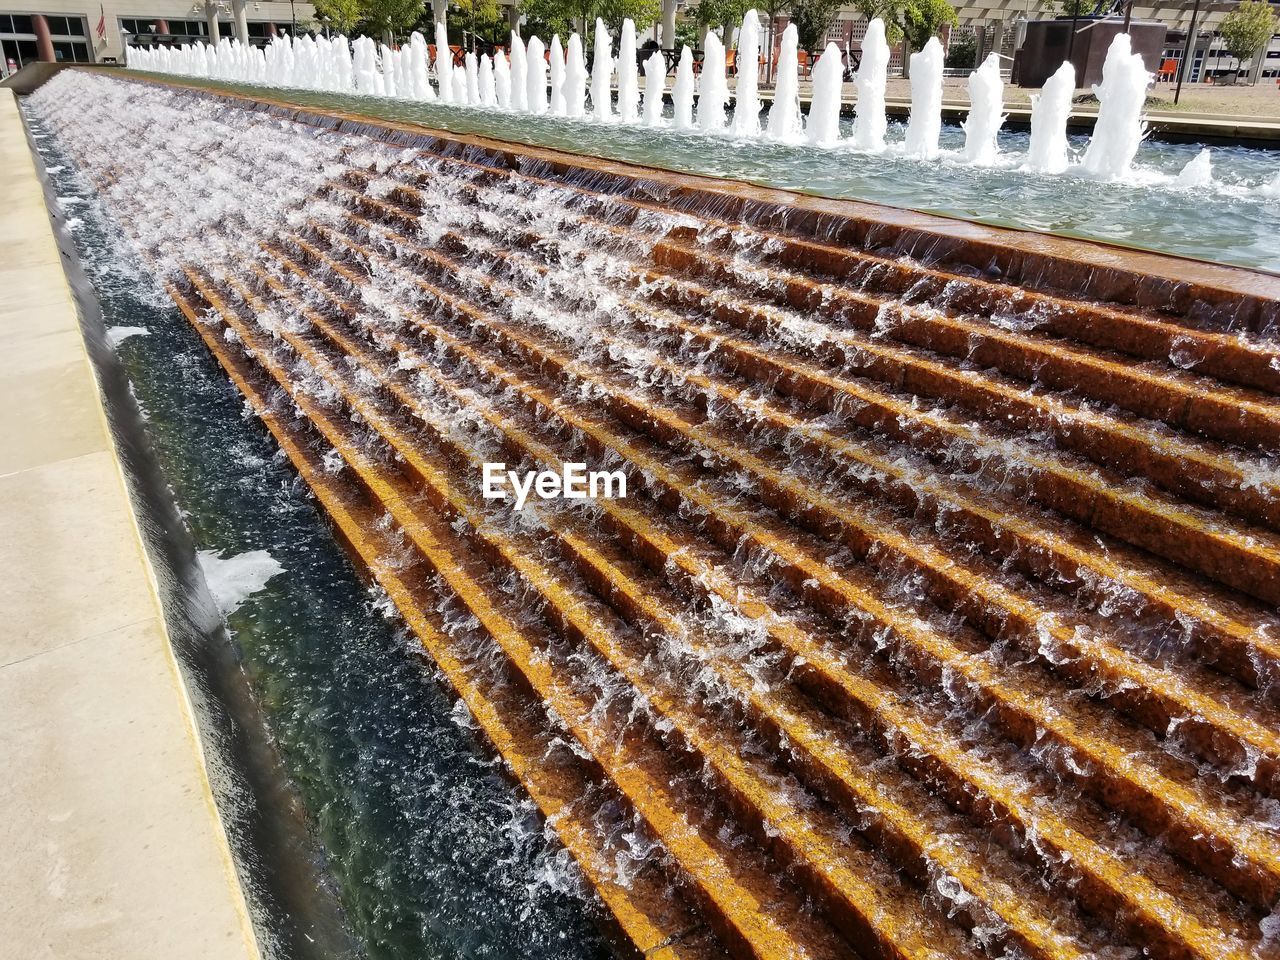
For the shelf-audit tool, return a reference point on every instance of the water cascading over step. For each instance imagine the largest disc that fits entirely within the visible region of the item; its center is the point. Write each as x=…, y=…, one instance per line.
x=940, y=617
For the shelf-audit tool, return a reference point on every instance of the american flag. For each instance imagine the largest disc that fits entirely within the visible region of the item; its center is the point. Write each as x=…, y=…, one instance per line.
x=102, y=23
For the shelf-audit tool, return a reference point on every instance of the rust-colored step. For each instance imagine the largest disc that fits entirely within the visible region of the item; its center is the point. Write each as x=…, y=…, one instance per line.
x=1139, y=899
x=939, y=620
x=1141, y=796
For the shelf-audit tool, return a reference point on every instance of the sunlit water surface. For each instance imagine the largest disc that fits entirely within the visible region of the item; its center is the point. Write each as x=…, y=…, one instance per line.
x=434, y=852
x=1231, y=220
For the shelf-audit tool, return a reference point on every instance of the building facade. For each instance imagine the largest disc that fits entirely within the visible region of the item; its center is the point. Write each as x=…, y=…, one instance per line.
x=84, y=31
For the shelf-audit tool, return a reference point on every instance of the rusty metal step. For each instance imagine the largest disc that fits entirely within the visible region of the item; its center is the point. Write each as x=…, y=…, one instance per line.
x=1185, y=465
x=939, y=621
x=1153, y=686
x=1141, y=798
x=1078, y=851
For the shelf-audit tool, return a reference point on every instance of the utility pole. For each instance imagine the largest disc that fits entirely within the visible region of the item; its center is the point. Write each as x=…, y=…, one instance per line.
x=1187, y=53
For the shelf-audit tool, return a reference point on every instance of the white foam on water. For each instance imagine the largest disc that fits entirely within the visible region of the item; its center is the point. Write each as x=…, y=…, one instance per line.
x=232, y=580
x=118, y=335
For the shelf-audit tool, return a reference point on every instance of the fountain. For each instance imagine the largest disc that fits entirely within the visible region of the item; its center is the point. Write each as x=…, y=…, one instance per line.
x=1197, y=173
x=575, y=80
x=713, y=91
x=488, y=83
x=443, y=64
x=1050, y=110
x=933, y=533
x=924, y=126
x=682, y=92
x=557, y=107
x=824, y=112
x=519, y=74
x=502, y=81
x=746, y=97
x=785, y=124
x=869, y=124
x=1119, y=129
x=628, y=77
x=536, y=71
x=655, y=84
x=602, y=75
x=420, y=88
x=986, y=113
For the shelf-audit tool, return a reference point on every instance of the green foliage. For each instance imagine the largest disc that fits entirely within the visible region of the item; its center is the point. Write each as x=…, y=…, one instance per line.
x=917, y=20
x=1246, y=28
x=813, y=18
x=340, y=15
x=721, y=13
x=963, y=52
x=922, y=19
x=390, y=17
x=1074, y=8
x=565, y=16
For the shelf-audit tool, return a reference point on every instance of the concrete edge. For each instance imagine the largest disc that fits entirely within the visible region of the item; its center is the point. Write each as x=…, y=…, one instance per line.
x=9, y=102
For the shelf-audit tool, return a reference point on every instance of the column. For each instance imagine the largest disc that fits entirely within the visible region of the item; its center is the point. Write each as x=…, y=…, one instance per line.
x=668, y=24
x=513, y=16
x=211, y=18
x=241, y=22
x=44, y=42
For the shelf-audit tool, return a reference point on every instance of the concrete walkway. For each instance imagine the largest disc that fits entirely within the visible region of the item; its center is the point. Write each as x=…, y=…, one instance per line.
x=109, y=839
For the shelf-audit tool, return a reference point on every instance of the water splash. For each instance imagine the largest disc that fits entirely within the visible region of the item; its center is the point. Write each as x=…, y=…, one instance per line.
x=1119, y=128
x=986, y=113
x=824, y=113
x=785, y=123
x=1050, y=110
x=870, y=123
x=924, y=126
x=746, y=111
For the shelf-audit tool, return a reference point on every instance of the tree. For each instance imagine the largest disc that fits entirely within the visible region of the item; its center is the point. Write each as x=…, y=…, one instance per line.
x=339, y=15
x=390, y=17
x=1074, y=8
x=813, y=18
x=477, y=16
x=962, y=54
x=916, y=20
x=566, y=16
x=1247, y=28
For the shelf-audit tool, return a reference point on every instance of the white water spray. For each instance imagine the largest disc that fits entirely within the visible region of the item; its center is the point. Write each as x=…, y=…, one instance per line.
x=682, y=92
x=655, y=85
x=557, y=78
x=536, y=77
x=746, y=100
x=869, y=122
x=519, y=75
x=444, y=64
x=713, y=91
x=986, y=113
x=602, y=75
x=628, y=75
x=1050, y=110
x=924, y=126
x=575, y=79
x=1119, y=128
x=1197, y=173
x=824, y=111
x=785, y=124
x=502, y=80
